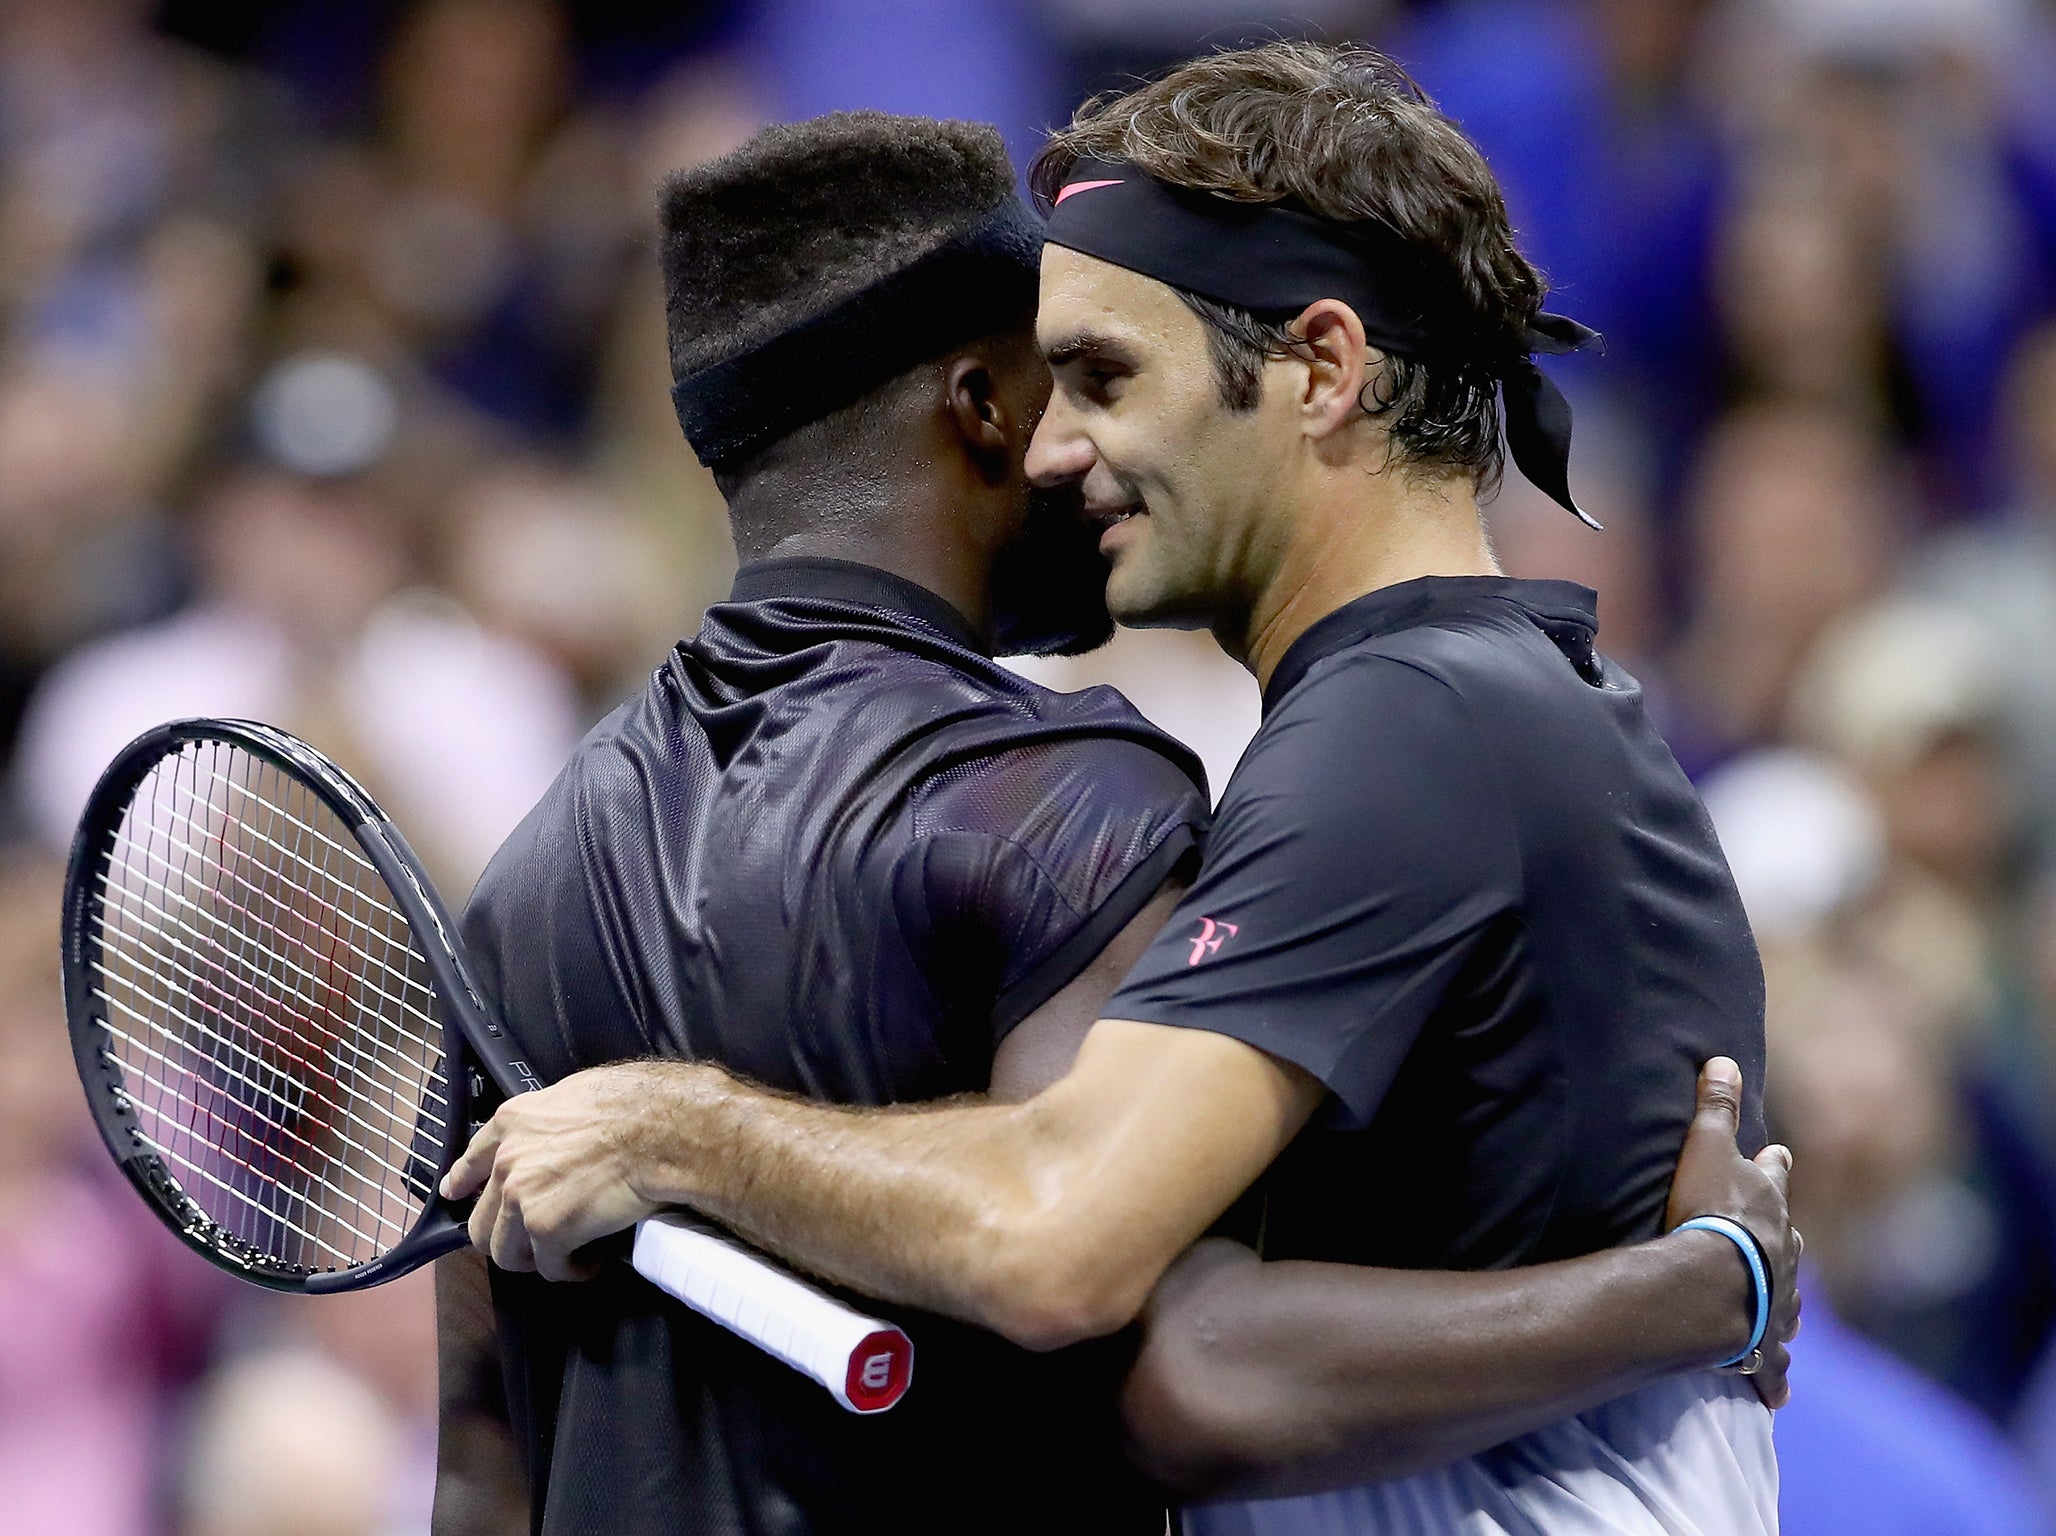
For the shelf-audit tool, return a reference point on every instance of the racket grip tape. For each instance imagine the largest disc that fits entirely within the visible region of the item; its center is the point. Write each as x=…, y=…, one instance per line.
x=866, y=1364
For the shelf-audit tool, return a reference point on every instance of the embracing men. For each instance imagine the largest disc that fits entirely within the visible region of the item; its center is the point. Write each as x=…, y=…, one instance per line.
x=1436, y=994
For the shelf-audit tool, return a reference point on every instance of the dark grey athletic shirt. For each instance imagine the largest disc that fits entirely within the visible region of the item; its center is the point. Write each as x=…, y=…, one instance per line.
x=1460, y=879
x=837, y=849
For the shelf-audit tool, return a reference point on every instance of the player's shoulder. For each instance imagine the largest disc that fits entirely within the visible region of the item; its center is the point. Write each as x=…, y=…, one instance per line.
x=1375, y=740
x=1497, y=656
x=1406, y=693
x=1080, y=812
x=604, y=775
x=1037, y=750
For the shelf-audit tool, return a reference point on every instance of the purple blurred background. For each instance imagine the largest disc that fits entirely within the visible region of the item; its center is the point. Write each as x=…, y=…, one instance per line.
x=333, y=391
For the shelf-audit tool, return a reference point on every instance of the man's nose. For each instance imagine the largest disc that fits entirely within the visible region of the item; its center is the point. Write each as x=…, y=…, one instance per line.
x=1058, y=453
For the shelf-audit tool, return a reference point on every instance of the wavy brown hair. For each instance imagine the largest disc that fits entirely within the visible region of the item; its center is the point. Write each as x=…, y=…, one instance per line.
x=1342, y=131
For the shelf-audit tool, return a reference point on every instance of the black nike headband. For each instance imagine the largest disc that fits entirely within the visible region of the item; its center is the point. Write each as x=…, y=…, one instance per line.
x=1275, y=259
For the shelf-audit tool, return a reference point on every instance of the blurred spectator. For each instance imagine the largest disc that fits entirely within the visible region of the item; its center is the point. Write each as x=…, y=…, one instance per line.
x=100, y=1310
x=547, y=558
x=483, y=233
x=1919, y=118
x=2001, y=575
x=306, y=618
x=81, y=551
x=1908, y=697
x=702, y=109
x=1803, y=839
x=1592, y=113
x=355, y=1374
x=1802, y=298
x=105, y=128
x=289, y=1443
x=1930, y=1197
x=1793, y=518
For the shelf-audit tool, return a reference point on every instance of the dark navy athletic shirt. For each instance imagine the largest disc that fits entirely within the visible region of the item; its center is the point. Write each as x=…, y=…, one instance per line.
x=1459, y=878
x=837, y=849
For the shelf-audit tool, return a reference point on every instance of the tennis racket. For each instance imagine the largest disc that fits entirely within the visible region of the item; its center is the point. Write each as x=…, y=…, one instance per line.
x=282, y=1044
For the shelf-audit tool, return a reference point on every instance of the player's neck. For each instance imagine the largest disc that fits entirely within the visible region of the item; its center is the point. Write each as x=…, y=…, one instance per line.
x=1352, y=538
x=893, y=535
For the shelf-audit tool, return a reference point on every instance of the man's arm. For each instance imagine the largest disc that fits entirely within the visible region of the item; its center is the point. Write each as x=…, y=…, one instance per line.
x=1050, y=1220
x=1042, y=1047
x=1254, y=1376
x=1267, y=1379
x=479, y=1486
x=1264, y=1379
x=1046, y=1221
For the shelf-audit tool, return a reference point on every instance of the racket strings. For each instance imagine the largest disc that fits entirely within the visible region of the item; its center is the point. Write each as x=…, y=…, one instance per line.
x=300, y=1025
x=269, y=1011
x=281, y=1127
x=228, y=1133
x=419, y=1010
x=294, y=973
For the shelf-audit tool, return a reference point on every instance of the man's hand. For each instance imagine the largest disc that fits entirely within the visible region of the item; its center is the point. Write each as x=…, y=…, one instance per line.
x=552, y=1172
x=1714, y=1179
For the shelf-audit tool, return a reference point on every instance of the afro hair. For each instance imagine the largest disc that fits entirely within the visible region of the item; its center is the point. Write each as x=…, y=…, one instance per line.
x=806, y=216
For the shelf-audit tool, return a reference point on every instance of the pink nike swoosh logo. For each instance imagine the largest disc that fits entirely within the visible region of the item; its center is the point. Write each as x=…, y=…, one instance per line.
x=1082, y=186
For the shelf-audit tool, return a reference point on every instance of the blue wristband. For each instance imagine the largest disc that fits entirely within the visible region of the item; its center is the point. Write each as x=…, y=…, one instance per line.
x=1759, y=1275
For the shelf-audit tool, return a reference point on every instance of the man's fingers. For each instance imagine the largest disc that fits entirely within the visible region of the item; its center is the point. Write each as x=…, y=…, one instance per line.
x=483, y=1214
x=468, y=1174
x=1776, y=1161
x=511, y=1246
x=553, y=1262
x=1720, y=1098
x=1784, y=1316
x=1770, y=1378
x=549, y=1263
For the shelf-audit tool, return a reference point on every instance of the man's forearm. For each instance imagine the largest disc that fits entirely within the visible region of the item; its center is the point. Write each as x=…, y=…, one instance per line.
x=1267, y=1379
x=925, y=1208
x=1048, y=1221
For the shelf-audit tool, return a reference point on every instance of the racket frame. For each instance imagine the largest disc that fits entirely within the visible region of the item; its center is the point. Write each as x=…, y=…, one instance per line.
x=472, y=1039
x=683, y=1257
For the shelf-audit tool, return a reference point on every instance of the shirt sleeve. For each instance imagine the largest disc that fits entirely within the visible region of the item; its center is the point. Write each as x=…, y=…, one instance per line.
x=1362, y=847
x=534, y=936
x=1027, y=862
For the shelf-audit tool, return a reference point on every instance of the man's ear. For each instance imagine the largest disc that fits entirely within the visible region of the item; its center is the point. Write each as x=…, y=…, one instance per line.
x=979, y=415
x=1339, y=363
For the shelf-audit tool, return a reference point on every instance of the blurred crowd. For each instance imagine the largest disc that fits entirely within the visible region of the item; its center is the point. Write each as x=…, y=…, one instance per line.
x=333, y=393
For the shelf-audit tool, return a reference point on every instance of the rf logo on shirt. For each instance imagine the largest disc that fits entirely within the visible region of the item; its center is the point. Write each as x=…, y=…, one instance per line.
x=1211, y=937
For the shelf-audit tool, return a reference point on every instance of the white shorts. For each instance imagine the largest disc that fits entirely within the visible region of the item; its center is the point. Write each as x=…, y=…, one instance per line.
x=1689, y=1456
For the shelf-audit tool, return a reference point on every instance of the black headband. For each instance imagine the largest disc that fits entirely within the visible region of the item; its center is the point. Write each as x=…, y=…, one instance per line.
x=977, y=281
x=1273, y=259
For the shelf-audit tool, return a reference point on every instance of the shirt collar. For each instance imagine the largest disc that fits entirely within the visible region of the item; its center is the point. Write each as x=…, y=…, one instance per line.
x=845, y=581
x=1565, y=611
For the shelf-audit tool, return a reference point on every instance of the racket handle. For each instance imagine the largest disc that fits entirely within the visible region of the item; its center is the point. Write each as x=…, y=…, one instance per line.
x=865, y=1364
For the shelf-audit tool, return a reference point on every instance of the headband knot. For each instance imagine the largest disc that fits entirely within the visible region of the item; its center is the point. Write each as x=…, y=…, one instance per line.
x=1276, y=258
